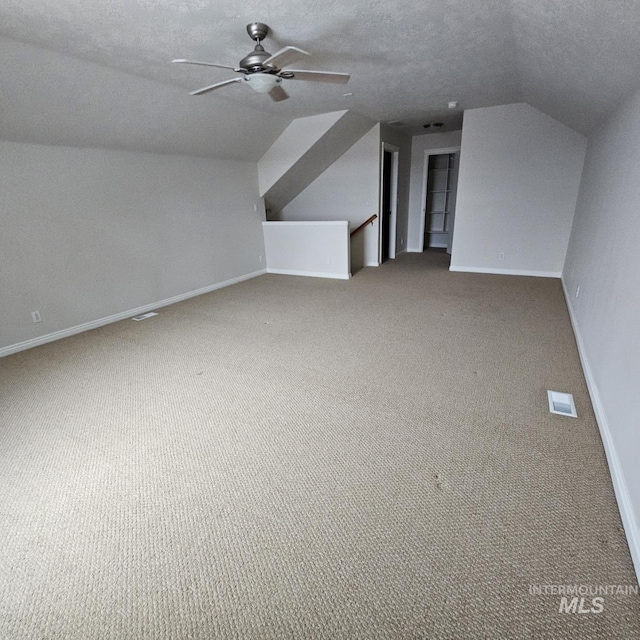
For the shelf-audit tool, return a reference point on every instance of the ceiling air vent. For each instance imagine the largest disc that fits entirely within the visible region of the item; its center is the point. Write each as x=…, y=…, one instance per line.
x=562, y=404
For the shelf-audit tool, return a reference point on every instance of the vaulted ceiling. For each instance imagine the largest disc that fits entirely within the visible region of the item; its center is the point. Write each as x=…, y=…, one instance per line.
x=98, y=72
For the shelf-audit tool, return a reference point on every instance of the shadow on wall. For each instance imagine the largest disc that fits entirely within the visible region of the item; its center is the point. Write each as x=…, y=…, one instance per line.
x=357, y=252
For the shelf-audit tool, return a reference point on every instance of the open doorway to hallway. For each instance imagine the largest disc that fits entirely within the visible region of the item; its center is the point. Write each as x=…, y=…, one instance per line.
x=388, y=201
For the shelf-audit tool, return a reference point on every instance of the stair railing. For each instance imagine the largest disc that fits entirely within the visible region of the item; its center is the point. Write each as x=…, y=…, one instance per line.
x=364, y=224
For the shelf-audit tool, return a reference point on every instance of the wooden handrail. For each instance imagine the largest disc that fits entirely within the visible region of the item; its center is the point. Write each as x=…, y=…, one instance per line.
x=364, y=224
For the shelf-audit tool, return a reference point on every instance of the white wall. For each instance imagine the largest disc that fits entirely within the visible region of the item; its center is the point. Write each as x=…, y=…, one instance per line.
x=603, y=259
x=517, y=189
x=291, y=145
x=87, y=233
x=347, y=190
x=420, y=144
x=311, y=160
x=319, y=249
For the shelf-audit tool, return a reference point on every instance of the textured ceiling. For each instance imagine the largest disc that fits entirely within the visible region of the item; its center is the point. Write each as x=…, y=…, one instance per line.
x=100, y=72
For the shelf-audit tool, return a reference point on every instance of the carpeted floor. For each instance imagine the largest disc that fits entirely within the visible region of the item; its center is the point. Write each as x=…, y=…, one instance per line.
x=303, y=458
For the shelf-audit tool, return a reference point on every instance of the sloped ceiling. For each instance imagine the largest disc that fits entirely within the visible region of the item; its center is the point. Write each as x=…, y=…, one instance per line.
x=98, y=72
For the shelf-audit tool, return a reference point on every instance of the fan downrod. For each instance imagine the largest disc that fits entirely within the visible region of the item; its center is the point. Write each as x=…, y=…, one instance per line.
x=257, y=31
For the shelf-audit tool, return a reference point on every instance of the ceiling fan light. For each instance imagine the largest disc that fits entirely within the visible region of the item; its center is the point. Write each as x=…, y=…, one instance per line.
x=262, y=82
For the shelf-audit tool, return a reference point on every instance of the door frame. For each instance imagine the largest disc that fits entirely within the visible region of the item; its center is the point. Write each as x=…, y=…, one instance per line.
x=425, y=179
x=393, y=196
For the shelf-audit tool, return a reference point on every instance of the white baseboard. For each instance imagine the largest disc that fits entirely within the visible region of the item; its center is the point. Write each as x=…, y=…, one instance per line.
x=310, y=274
x=625, y=506
x=372, y=264
x=508, y=272
x=116, y=317
x=413, y=250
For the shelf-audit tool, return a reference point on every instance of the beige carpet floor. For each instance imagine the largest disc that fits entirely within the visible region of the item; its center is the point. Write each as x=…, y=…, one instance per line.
x=303, y=458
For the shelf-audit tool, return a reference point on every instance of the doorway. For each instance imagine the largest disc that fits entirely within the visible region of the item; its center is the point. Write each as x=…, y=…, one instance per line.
x=440, y=182
x=388, y=202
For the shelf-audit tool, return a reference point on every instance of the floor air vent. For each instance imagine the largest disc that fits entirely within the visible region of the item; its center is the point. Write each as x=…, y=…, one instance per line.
x=562, y=404
x=144, y=316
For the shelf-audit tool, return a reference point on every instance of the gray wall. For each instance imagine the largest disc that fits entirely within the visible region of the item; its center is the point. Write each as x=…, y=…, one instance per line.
x=603, y=259
x=517, y=190
x=87, y=233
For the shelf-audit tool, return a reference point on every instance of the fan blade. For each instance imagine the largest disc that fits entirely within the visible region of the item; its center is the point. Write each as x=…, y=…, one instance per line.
x=318, y=76
x=285, y=56
x=205, y=64
x=199, y=92
x=278, y=93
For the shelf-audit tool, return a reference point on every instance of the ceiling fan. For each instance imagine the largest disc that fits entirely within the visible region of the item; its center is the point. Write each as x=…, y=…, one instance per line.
x=264, y=72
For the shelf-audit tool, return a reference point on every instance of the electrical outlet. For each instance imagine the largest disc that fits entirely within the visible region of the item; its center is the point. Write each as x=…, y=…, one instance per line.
x=402, y=242
x=260, y=258
x=578, y=291
x=501, y=255
x=35, y=315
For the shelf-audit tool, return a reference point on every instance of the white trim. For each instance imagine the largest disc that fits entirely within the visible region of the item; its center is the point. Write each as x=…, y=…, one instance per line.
x=311, y=274
x=413, y=250
x=625, y=505
x=425, y=181
x=302, y=223
x=508, y=272
x=123, y=315
x=393, y=226
x=371, y=264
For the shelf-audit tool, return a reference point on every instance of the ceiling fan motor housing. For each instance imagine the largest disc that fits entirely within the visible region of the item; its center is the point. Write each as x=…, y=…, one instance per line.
x=254, y=61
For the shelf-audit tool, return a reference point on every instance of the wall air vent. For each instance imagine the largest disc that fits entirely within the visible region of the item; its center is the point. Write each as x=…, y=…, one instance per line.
x=562, y=404
x=144, y=316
